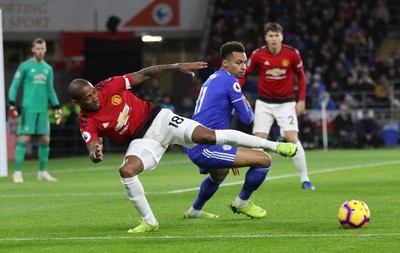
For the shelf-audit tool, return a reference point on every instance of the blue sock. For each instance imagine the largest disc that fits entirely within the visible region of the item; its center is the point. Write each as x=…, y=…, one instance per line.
x=254, y=178
x=207, y=189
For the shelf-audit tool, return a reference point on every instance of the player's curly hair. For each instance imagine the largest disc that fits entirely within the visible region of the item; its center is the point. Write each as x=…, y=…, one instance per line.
x=229, y=47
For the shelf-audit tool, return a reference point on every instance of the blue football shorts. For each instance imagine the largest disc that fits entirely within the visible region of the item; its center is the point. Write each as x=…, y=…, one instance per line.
x=212, y=157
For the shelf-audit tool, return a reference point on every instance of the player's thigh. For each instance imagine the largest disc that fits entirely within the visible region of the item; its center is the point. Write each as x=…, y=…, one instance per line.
x=263, y=117
x=170, y=128
x=251, y=157
x=27, y=123
x=286, y=118
x=212, y=157
x=43, y=124
x=149, y=151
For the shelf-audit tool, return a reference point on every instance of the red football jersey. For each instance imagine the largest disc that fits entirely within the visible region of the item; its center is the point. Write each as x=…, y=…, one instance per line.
x=276, y=73
x=122, y=117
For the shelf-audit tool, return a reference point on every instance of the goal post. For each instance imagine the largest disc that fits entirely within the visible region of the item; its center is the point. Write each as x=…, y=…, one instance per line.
x=3, y=127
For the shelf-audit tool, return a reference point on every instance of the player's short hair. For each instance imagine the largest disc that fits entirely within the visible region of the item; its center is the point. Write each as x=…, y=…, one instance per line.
x=274, y=27
x=38, y=41
x=229, y=47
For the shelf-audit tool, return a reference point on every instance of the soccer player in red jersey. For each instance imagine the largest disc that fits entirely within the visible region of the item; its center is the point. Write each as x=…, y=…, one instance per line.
x=110, y=110
x=278, y=64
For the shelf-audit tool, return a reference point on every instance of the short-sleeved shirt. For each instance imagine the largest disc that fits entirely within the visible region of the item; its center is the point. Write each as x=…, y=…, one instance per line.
x=123, y=116
x=220, y=97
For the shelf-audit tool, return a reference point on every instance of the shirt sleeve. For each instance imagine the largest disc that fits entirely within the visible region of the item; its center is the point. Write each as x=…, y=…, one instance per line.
x=128, y=81
x=88, y=131
x=301, y=77
x=245, y=113
x=50, y=89
x=16, y=82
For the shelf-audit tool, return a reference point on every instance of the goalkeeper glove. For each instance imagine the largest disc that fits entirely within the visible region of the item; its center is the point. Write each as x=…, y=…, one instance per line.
x=58, y=115
x=12, y=111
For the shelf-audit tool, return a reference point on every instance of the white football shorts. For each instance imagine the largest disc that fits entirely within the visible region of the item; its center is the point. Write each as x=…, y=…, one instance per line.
x=167, y=128
x=266, y=113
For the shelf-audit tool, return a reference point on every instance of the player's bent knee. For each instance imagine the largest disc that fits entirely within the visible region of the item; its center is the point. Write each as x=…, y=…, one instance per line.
x=130, y=169
x=266, y=159
x=203, y=135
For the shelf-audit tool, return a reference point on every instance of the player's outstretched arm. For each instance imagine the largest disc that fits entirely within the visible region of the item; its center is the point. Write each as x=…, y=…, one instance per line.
x=96, y=150
x=157, y=70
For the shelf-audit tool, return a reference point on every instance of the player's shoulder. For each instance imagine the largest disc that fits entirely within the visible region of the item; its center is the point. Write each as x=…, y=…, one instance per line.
x=26, y=63
x=259, y=50
x=290, y=49
x=46, y=64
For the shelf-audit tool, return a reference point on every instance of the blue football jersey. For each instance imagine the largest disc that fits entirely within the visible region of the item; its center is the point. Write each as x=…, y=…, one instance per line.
x=219, y=98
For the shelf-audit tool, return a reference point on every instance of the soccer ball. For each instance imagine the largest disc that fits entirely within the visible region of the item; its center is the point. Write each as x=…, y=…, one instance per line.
x=354, y=214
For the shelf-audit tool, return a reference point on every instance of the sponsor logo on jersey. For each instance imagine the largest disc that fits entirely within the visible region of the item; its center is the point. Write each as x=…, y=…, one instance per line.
x=86, y=136
x=285, y=63
x=236, y=87
x=105, y=124
x=266, y=63
x=116, y=99
x=276, y=72
x=122, y=118
x=17, y=74
x=40, y=77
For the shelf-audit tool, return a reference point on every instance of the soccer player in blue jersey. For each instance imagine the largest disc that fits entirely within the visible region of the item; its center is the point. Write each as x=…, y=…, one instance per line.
x=220, y=97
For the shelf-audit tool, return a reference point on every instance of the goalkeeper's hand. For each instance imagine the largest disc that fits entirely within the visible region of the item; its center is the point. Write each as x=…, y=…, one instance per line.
x=12, y=111
x=58, y=115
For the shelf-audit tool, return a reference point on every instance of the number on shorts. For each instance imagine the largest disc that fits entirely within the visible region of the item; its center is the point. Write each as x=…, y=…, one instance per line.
x=175, y=121
x=291, y=119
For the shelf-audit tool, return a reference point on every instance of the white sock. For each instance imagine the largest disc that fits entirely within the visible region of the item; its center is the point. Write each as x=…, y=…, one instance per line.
x=193, y=212
x=241, y=202
x=237, y=138
x=300, y=162
x=135, y=192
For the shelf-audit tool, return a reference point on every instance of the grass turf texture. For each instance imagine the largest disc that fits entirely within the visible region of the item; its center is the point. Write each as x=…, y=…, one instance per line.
x=87, y=210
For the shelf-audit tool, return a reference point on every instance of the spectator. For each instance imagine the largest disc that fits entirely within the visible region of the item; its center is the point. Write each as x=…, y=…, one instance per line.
x=343, y=128
x=368, y=131
x=307, y=131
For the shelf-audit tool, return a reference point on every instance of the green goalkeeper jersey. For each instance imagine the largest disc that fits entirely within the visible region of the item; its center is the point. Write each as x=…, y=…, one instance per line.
x=38, y=87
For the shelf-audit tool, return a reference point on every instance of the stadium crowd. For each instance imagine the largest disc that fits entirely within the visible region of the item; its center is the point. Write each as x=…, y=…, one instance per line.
x=337, y=40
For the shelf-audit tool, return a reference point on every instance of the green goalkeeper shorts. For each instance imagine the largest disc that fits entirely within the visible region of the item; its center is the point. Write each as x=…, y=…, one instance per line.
x=33, y=123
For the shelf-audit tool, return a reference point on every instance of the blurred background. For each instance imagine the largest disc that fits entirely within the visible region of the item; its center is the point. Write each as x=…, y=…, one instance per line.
x=350, y=51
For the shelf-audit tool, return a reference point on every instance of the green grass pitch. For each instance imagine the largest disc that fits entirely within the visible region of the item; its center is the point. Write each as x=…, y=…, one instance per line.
x=87, y=210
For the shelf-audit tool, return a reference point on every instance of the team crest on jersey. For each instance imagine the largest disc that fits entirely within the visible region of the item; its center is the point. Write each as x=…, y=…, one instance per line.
x=236, y=87
x=86, y=136
x=226, y=147
x=285, y=63
x=116, y=99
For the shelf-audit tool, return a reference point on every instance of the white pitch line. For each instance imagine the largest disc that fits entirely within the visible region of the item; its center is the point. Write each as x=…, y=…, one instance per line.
x=169, y=237
x=351, y=167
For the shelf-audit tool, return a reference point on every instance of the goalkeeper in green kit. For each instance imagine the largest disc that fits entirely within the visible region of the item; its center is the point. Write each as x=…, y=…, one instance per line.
x=33, y=119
